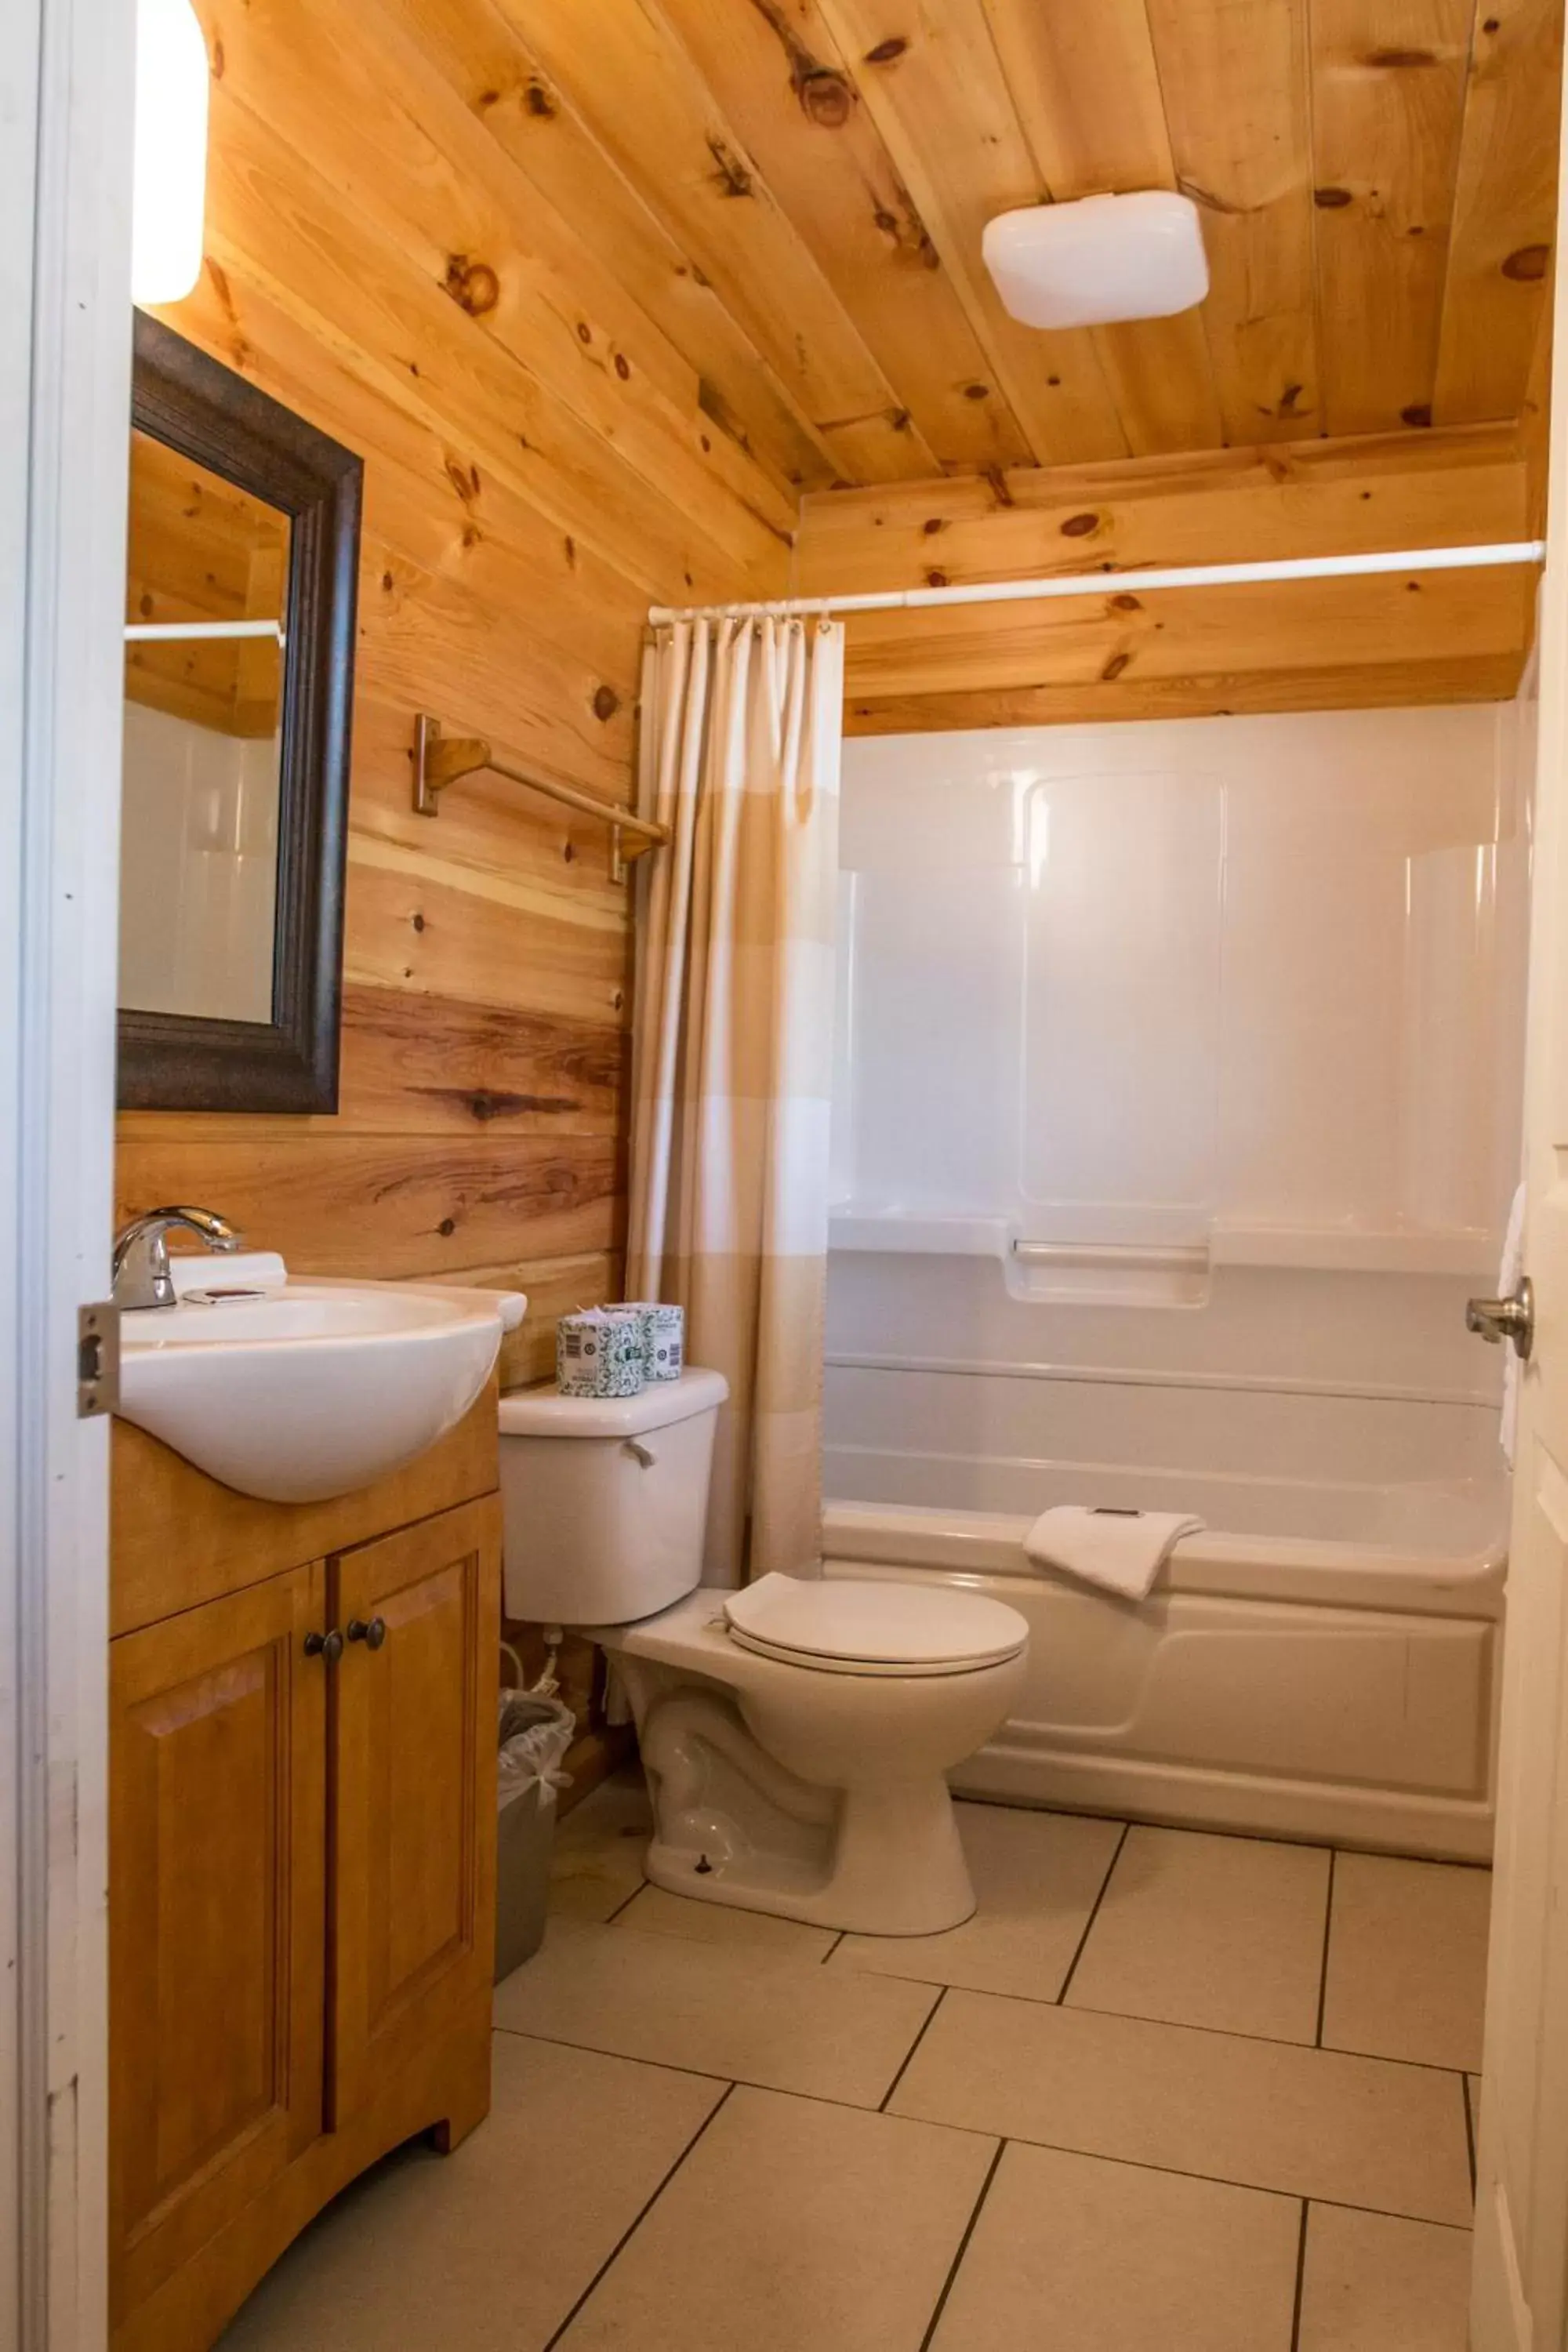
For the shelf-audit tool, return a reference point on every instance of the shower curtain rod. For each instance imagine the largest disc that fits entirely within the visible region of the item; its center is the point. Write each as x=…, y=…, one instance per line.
x=1084, y=583
x=175, y=633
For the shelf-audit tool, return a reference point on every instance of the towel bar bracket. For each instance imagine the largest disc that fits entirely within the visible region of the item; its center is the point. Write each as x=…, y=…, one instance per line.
x=442, y=759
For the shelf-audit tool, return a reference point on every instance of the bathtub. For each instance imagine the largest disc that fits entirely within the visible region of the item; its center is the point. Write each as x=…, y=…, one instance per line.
x=1337, y=1685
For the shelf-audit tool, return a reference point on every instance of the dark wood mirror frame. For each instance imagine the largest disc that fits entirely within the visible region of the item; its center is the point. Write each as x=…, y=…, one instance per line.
x=176, y=1061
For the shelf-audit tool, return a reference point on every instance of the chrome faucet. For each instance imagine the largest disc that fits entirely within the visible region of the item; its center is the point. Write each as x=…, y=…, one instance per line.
x=142, y=1276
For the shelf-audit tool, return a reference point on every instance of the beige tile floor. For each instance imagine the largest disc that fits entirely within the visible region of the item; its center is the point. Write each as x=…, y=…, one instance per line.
x=1212, y=2093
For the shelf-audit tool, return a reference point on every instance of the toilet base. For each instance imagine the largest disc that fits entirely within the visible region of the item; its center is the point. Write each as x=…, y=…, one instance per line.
x=927, y=1890
x=732, y=1825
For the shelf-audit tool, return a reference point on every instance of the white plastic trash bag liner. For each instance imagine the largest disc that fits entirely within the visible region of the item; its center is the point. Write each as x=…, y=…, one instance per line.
x=535, y=1733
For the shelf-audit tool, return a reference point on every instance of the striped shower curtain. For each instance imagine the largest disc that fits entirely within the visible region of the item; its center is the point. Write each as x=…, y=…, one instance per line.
x=742, y=726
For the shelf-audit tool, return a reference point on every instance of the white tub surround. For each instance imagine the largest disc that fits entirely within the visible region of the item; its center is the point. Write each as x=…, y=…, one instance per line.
x=1184, y=994
x=1280, y=1686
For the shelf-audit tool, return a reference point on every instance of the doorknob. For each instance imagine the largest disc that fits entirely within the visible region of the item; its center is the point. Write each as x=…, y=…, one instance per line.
x=1497, y=1320
x=325, y=1645
x=372, y=1635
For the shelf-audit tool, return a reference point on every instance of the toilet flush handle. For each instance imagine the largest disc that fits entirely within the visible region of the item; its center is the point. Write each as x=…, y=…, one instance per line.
x=642, y=1453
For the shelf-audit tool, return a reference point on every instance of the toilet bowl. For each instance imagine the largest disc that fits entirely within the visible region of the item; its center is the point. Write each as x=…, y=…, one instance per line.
x=796, y=1735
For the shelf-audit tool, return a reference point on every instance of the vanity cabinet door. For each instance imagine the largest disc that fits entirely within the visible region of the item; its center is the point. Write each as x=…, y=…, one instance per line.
x=413, y=1792
x=217, y=1907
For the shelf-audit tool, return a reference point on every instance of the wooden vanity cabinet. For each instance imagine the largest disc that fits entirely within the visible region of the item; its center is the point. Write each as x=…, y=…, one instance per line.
x=412, y=1779
x=218, y=1833
x=301, y=1865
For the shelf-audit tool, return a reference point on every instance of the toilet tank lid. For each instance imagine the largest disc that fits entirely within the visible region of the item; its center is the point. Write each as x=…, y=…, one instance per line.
x=542, y=1413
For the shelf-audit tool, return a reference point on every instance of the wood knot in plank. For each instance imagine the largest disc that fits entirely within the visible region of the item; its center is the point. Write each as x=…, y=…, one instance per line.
x=733, y=177
x=464, y=479
x=825, y=98
x=472, y=285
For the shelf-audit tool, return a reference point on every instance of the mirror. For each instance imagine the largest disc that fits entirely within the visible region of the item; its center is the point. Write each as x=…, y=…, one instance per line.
x=242, y=547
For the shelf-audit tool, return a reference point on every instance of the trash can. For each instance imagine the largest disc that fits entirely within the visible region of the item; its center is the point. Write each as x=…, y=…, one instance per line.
x=535, y=1733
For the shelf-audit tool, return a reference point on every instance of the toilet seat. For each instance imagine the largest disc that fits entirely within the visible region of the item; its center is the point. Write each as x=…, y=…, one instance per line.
x=849, y=1628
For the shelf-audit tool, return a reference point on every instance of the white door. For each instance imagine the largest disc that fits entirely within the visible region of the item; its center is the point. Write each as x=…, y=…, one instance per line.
x=66, y=71
x=1521, y=2293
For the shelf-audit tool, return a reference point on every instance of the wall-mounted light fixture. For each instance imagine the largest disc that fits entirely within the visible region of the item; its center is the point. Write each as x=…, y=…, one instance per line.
x=171, y=169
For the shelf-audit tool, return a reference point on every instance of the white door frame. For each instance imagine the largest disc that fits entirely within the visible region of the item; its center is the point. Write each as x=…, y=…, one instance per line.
x=67, y=73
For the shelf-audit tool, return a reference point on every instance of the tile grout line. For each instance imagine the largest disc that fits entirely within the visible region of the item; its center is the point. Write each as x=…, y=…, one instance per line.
x=1213, y=1830
x=1301, y=2279
x=963, y=2248
x=903, y=2068
x=1323, y=1965
x=1220, y=2179
x=1094, y=1914
x=611, y=1916
x=978, y=2131
x=1037, y=2000
x=833, y=1947
x=1226, y=2032
x=733, y=2082
x=627, y=2236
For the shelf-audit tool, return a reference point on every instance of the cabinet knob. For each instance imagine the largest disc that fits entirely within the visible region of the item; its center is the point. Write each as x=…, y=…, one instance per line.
x=372, y=1635
x=325, y=1645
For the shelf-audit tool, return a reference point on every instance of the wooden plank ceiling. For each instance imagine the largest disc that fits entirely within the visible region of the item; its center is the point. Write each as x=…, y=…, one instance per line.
x=796, y=189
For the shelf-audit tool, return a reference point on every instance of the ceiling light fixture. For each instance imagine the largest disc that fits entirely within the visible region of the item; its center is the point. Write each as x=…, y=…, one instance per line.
x=1099, y=259
x=169, y=186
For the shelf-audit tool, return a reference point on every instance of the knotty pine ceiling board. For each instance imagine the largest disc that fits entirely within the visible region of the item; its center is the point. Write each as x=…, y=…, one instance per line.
x=1376, y=180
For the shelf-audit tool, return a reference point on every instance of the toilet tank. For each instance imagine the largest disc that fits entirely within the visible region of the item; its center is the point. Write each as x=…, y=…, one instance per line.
x=606, y=1499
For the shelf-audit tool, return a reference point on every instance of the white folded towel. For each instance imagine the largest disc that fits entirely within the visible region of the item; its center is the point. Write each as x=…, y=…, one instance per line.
x=1121, y=1550
x=1509, y=1271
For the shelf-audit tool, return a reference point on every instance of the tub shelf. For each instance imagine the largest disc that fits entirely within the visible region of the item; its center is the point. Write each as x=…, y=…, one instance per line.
x=1462, y=1250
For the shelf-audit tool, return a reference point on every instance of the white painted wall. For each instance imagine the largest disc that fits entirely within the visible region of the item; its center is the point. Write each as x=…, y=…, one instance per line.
x=1222, y=1020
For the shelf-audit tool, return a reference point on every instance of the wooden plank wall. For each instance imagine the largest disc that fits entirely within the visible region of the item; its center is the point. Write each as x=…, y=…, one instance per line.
x=1333, y=644
x=539, y=466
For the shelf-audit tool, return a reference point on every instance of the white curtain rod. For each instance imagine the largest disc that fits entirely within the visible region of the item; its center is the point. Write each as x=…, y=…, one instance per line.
x=1086, y=584
x=144, y=633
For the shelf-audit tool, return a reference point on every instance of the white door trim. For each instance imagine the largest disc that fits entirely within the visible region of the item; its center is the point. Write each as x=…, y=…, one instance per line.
x=65, y=79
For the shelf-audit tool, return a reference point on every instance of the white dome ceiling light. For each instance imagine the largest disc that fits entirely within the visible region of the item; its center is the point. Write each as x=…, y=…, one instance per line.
x=1099, y=259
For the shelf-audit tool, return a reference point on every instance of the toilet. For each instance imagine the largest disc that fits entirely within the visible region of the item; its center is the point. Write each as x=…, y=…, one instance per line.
x=797, y=1734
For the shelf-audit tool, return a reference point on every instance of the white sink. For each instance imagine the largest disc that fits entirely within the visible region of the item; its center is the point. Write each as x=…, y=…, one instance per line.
x=297, y=1389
